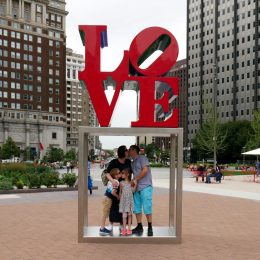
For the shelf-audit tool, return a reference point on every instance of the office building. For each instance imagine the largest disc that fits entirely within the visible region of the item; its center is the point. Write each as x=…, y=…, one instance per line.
x=32, y=73
x=222, y=60
x=79, y=109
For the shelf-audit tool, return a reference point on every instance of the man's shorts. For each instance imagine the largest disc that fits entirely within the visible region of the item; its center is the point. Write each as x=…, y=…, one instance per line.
x=143, y=199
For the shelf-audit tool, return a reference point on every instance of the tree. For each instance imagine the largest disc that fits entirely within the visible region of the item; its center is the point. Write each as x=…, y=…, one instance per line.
x=9, y=149
x=210, y=140
x=165, y=156
x=54, y=154
x=236, y=139
x=254, y=138
x=151, y=151
x=71, y=155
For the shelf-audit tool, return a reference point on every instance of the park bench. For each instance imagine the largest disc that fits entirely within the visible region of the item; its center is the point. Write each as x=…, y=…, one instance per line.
x=199, y=174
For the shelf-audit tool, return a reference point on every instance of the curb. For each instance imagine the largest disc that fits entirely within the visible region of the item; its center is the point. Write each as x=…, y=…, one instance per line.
x=41, y=190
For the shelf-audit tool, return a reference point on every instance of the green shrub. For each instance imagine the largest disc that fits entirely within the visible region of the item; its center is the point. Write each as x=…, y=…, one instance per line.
x=19, y=184
x=15, y=179
x=34, y=181
x=61, y=182
x=50, y=179
x=24, y=177
x=6, y=184
x=42, y=169
x=69, y=179
x=2, y=177
x=157, y=165
x=15, y=169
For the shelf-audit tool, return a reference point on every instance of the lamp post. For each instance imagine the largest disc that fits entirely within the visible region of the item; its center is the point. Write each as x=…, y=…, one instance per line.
x=215, y=113
x=244, y=148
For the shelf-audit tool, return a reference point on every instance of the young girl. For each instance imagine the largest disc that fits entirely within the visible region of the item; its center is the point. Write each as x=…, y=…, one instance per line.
x=126, y=205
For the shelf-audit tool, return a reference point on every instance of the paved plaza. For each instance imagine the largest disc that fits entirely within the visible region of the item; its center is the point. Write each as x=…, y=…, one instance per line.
x=217, y=223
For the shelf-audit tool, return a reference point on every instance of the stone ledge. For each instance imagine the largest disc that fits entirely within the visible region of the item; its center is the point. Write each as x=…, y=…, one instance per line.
x=41, y=190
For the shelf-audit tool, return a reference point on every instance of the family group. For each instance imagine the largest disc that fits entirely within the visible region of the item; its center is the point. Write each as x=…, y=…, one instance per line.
x=129, y=190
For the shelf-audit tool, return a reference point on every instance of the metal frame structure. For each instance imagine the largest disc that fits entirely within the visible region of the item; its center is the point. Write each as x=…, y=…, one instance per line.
x=171, y=233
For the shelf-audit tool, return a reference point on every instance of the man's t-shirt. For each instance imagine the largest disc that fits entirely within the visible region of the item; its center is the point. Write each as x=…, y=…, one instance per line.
x=138, y=164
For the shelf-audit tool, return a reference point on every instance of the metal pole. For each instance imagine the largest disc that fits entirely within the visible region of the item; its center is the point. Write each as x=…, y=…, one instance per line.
x=179, y=187
x=172, y=191
x=82, y=185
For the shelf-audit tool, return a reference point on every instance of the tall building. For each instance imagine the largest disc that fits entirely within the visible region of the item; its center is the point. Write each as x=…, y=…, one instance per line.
x=179, y=70
x=32, y=73
x=79, y=109
x=223, y=60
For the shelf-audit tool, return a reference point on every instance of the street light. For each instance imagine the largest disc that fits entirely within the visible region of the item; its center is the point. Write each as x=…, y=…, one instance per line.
x=244, y=148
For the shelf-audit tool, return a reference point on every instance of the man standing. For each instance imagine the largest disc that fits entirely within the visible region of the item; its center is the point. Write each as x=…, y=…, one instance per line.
x=258, y=169
x=144, y=190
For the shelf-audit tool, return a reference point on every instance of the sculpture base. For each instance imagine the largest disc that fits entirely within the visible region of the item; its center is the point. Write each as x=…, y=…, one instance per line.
x=166, y=235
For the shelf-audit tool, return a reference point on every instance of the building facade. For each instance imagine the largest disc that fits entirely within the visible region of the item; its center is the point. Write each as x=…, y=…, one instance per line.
x=79, y=109
x=32, y=73
x=223, y=60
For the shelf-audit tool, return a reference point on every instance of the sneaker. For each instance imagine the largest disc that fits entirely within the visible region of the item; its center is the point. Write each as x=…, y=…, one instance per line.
x=120, y=228
x=110, y=228
x=150, y=232
x=104, y=231
x=138, y=231
x=129, y=232
x=123, y=232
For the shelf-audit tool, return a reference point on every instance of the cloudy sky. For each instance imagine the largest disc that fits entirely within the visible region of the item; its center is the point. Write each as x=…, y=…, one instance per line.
x=124, y=20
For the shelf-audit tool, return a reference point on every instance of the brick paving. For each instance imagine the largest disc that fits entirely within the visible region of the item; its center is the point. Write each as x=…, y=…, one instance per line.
x=214, y=227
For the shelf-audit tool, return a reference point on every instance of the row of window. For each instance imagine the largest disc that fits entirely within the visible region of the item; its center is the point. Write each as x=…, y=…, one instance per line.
x=26, y=57
x=223, y=102
x=19, y=115
x=223, y=91
x=14, y=105
x=27, y=87
x=27, y=27
x=225, y=114
x=26, y=96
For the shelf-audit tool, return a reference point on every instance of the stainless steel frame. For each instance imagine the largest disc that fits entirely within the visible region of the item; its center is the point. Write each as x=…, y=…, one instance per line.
x=170, y=234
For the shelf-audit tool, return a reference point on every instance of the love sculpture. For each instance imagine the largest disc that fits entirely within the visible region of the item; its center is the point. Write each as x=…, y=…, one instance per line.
x=151, y=95
x=144, y=44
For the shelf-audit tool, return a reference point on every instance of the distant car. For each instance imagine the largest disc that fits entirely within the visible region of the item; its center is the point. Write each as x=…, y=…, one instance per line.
x=28, y=161
x=14, y=160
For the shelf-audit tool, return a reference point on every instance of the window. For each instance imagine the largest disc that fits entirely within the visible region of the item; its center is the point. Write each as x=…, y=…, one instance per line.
x=54, y=135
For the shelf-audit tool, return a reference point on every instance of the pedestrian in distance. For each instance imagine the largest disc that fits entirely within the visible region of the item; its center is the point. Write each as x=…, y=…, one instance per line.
x=90, y=183
x=68, y=166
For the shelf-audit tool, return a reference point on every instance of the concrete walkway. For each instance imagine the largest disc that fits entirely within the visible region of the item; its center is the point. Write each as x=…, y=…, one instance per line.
x=235, y=186
x=44, y=226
